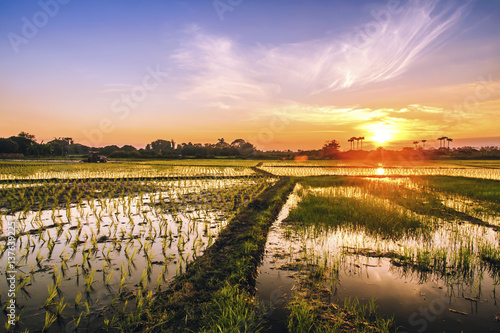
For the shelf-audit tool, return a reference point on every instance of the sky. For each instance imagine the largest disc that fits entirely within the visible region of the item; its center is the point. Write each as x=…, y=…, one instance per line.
x=281, y=74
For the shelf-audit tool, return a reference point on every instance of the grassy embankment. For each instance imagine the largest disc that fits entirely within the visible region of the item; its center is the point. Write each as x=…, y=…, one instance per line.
x=215, y=292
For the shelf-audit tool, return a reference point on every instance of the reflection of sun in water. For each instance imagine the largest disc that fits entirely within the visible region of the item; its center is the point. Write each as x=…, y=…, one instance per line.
x=380, y=171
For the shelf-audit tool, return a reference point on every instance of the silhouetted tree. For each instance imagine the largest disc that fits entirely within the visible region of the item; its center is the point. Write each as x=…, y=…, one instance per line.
x=160, y=145
x=442, y=141
x=221, y=143
x=24, y=141
x=351, y=140
x=128, y=148
x=243, y=148
x=8, y=146
x=330, y=149
x=27, y=135
x=108, y=150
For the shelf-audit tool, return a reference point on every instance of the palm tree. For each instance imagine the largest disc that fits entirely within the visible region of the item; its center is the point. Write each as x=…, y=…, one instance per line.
x=351, y=140
x=361, y=139
x=415, y=143
x=449, y=140
x=424, y=141
x=442, y=143
x=357, y=142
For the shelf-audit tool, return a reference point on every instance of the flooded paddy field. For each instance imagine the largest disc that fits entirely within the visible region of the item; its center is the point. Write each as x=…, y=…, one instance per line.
x=90, y=250
x=384, y=254
x=224, y=247
x=79, y=170
x=394, y=171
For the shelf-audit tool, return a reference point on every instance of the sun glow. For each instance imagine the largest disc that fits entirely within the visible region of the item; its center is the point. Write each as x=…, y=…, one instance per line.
x=381, y=136
x=381, y=132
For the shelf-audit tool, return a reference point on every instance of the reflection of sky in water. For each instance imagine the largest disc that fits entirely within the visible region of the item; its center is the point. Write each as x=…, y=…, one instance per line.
x=400, y=291
x=127, y=224
x=387, y=171
x=119, y=170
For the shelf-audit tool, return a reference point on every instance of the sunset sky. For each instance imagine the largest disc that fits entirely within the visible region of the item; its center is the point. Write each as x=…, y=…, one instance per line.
x=280, y=74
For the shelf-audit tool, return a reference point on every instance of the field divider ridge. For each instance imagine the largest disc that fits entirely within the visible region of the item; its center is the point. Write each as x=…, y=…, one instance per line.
x=190, y=304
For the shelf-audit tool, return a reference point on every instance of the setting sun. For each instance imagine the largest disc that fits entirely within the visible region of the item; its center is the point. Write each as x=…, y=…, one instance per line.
x=381, y=132
x=381, y=136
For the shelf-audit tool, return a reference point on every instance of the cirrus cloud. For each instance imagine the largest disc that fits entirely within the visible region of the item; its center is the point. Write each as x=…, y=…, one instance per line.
x=216, y=69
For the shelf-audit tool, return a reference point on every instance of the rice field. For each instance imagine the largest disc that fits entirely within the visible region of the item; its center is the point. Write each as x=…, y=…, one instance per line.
x=89, y=250
x=385, y=171
x=397, y=245
x=203, y=246
x=80, y=170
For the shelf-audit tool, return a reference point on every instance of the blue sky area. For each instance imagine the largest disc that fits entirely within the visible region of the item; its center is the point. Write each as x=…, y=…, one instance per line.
x=325, y=69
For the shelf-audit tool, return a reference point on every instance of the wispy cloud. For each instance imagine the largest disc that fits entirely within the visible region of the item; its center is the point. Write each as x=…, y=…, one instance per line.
x=414, y=116
x=216, y=69
x=221, y=70
x=327, y=114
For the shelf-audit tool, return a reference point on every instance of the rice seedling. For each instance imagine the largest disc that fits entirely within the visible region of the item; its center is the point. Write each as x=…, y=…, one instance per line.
x=441, y=249
x=89, y=280
x=78, y=299
x=49, y=320
x=77, y=321
x=234, y=311
x=87, y=308
x=52, y=294
x=60, y=308
x=302, y=318
x=65, y=222
x=333, y=211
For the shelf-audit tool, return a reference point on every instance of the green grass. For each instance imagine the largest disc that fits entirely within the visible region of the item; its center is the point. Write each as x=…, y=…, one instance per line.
x=327, y=181
x=418, y=201
x=234, y=312
x=491, y=256
x=490, y=164
x=475, y=188
x=129, y=169
x=302, y=316
x=312, y=310
x=423, y=202
x=223, y=162
x=326, y=210
x=330, y=211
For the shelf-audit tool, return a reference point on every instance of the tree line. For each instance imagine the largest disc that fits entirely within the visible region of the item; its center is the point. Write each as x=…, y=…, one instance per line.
x=25, y=144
